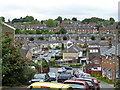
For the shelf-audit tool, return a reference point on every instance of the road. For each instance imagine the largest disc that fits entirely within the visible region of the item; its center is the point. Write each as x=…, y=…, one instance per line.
x=103, y=85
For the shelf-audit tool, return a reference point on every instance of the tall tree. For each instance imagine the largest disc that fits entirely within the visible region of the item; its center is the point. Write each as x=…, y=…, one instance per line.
x=31, y=38
x=112, y=20
x=64, y=37
x=3, y=19
x=74, y=19
x=63, y=30
x=14, y=67
x=92, y=37
x=59, y=19
x=51, y=23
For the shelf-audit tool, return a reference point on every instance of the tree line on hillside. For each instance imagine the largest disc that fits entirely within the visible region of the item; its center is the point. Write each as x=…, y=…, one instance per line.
x=19, y=31
x=59, y=18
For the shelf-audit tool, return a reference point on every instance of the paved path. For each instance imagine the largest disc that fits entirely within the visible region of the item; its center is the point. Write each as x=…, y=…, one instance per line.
x=105, y=86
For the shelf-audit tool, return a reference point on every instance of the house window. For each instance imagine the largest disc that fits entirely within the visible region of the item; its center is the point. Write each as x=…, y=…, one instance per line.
x=117, y=74
x=96, y=62
x=104, y=72
x=107, y=58
x=113, y=59
x=109, y=73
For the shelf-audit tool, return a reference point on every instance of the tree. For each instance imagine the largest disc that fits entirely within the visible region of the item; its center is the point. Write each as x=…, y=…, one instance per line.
x=41, y=38
x=98, y=26
x=63, y=30
x=102, y=38
x=59, y=19
x=64, y=37
x=3, y=19
x=92, y=37
x=74, y=19
x=16, y=20
x=18, y=31
x=77, y=37
x=65, y=19
x=38, y=31
x=14, y=67
x=51, y=23
x=112, y=21
x=28, y=19
x=31, y=38
x=62, y=46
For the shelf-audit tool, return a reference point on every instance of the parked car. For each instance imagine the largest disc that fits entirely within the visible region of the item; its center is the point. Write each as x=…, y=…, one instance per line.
x=77, y=73
x=77, y=85
x=42, y=52
x=64, y=76
x=50, y=51
x=45, y=55
x=61, y=70
x=40, y=78
x=53, y=55
x=67, y=67
x=56, y=52
x=52, y=76
x=49, y=86
x=89, y=81
x=96, y=82
x=85, y=75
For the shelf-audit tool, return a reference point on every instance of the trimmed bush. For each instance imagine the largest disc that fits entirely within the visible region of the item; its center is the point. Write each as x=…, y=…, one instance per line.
x=58, y=57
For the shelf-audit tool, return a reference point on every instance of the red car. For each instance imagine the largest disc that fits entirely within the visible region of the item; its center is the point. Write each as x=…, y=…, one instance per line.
x=77, y=85
x=96, y=82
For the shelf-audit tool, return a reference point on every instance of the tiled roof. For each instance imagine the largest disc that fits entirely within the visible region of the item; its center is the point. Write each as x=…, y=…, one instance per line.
x=73, y=49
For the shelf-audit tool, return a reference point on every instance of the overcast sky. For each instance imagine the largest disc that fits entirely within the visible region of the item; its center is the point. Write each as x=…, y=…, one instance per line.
x=46, y=9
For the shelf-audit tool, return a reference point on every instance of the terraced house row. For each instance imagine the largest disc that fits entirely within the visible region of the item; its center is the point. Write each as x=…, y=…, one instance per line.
x=108, y=63
x=53, y=37
x=71, y=27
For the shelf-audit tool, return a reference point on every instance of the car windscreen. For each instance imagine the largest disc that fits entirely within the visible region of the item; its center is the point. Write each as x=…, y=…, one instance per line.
x=51, y=74
x=76, y=85
x=89, y=83
x=94, y=80
x=64, y=76
x=39, y=76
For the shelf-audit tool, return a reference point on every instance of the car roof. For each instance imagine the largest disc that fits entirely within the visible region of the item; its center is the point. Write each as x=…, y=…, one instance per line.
x=83, y=79
x=91, y=77
x=75, y=81
x=49, y=84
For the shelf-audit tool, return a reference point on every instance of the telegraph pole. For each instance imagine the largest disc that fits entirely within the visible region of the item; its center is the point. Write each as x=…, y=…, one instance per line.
x=116, y=42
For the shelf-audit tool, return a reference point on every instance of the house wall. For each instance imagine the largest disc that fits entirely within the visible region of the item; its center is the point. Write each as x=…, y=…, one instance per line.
x=69, y=56
x=110, y=64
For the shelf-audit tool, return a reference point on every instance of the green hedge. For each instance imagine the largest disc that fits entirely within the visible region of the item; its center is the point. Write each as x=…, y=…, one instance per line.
x=103, y=79
x=58, y=57
x=71, y=65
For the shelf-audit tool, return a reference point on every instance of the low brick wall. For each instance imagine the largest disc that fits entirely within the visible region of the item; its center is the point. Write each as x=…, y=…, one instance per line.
x=94, y=72
x=44, y=70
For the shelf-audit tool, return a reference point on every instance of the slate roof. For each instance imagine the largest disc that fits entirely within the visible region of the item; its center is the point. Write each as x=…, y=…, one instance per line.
x=111, y=51
x=73, y=49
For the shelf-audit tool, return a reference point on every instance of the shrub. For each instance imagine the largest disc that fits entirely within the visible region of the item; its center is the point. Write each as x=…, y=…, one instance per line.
x=58, y=57
x=92, y=37
x=52, y=60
